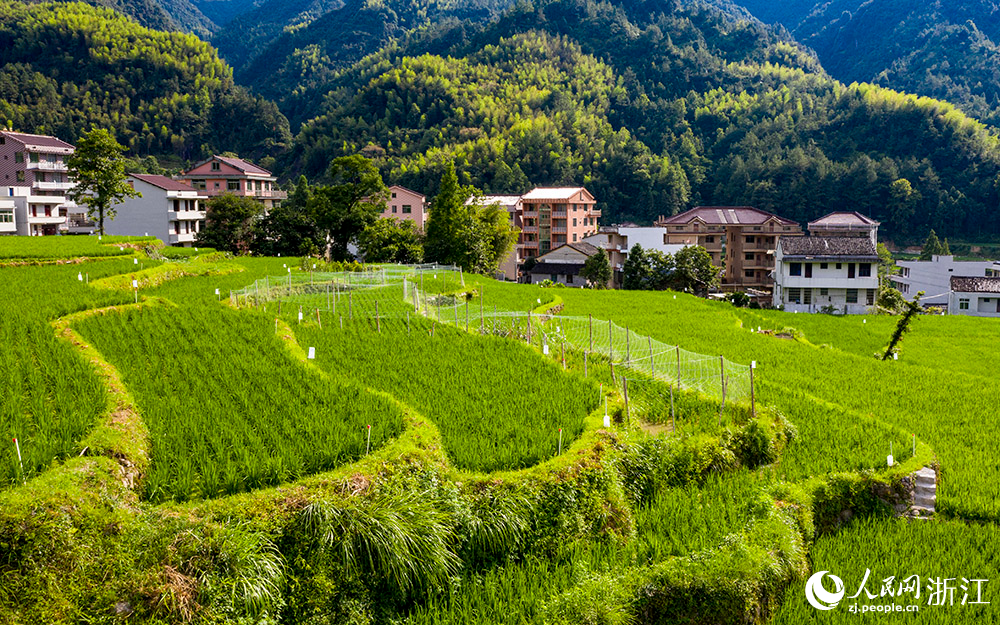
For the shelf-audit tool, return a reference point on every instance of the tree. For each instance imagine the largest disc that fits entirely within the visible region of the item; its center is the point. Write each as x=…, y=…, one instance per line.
x=449, y=222
x=661, y=270
x=635, y=272
x=290, y=228
x=903, y=201
x=903, y=326
x=467, y=233
x=932, y=247
x=693, y=270
x=597, y=269
x=230, y=222
x=391, y=241
x=345, y=208
x=98, y=170
x=886, y=265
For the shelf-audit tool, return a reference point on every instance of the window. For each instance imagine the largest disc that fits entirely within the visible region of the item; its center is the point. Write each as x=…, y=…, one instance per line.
x=574, y=222
x=748, y=273
x=748, y=256
x=852, y=296
x=795, y=269
x=710, y=239
x=407, y=209
x=794, y=295
x=33, y=157
x=554, y=277
x=865, y=270
x=824, y=292
x=394, y=196
x=850, y=270
x=750, y=239
x=569, y=278
x=963, y=304
x=809, y=270
x=870, y=297
x=395, y=209
x=216, y=166
x=574, y=238
x=216, y=185
x=6, y=216
x=838, y=265
x=807, y=296
x=822, y=265
x=20, y=176
x=201, y=185
x=233, y=185
x=906, y=272
x=18, y=157
x=756, y=228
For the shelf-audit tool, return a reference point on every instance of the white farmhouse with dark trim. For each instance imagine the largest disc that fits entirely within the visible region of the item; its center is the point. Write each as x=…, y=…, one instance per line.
x=838, y=274
x=933, y=277
x=976, y=297
x=169, y=210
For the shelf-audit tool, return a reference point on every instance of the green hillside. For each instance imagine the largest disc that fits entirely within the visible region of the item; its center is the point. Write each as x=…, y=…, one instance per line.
x=66, y=67
x=655, y=112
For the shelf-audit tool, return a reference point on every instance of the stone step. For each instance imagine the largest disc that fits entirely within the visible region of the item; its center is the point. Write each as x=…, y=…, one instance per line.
x=923, y=502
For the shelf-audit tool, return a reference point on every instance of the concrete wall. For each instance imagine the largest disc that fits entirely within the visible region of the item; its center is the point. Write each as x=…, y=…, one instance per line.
x=933, y=277
x=979, y=304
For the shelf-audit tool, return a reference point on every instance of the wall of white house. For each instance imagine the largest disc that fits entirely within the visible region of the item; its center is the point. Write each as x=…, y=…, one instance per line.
x=799, y=288
x=561, y=278
x=974, y=304
x=933, y=277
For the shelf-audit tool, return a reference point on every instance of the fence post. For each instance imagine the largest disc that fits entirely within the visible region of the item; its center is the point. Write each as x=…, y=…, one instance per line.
x=753, y=405
x=318, y=320
x=627, y=350
x=611, y=345
x=673, y=419
x=350, y=304
x=722, y=383
x=328, y=305
x=628, y=413
x=652, y=365
x=678, y=366
x=482, y=319
x=562, y=354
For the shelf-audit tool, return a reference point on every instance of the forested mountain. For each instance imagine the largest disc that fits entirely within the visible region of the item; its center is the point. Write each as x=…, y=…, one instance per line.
x=946, y=50
x=65, y=67
x=655, y=107
x=304, y=60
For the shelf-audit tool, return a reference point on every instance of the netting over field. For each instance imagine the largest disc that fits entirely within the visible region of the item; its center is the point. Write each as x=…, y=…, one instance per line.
x=436, y=292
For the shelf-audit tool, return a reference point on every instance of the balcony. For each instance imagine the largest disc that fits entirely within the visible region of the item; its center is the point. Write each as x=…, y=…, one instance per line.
x=530, y=213
x=185, y=215
x=271, y=195
x=53, y=186
x=184, y=237
x=559, y=214
x=529, y=229
x=558, y=229
x=796, y=282
x=43, y=219
x=46, y=166
x=8, y=226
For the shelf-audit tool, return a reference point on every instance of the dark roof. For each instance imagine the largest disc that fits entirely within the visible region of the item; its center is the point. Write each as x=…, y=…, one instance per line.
x=723, y=215
x=975, y=285
x=167, y=184
x=39, y=141
x=558, y=268
x=583, y=247
x=855, y=247
x=844, y=218
x=244, y=166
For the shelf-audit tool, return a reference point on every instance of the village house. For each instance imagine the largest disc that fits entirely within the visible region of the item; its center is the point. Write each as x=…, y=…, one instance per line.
x=976, y=297
x=563, y=264
x=554, y=216
x=406, y=205
x=740, y=239
x=222, y=174
x=35, y=179
x=169, y=209
x=933, y=277
x=513, y=206
x=825, y=274
x=845, y=224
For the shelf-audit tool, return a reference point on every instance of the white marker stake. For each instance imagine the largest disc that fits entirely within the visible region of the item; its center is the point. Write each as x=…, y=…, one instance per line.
x=135, y=287
x=219, y=294
x=889, y=457
x=545, y=349
x=368, y=446
x=560, y=441
x=79, y=276
x=300, y=316
x=18, y=446
x=312, y=353
x=135, y=261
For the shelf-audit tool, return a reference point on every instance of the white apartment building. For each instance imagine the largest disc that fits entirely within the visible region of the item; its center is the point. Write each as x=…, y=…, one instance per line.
x=169, y=210
x=838, y=274
x=933, y=277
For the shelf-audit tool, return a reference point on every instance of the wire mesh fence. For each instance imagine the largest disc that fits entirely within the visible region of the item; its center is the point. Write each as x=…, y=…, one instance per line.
x=437, y=293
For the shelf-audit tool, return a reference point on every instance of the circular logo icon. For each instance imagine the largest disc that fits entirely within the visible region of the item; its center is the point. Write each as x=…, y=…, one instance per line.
x=817, y=595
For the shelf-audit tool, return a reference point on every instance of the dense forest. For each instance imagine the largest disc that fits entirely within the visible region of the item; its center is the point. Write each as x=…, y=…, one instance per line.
x=655, y=105
x=945, y=50
x=655, y=111
x=65, y=67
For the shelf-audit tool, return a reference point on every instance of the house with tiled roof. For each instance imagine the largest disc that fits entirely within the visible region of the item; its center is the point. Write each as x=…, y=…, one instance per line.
x=740, y=239
x=223, y=174
x=34, y=177
x=976, y=297
x=563, y=264
x=825, y=274
x=845, y=224
x=169, y=210
x=554, y=216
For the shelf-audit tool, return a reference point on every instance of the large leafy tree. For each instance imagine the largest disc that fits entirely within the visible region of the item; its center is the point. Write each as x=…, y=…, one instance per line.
x=98, y=170
x=350, y=204
x=290, y=228
x=693, y=270
x=597, y=269
x=489, y=238
x=391, y=241
x=635, y=272
x=230, y=222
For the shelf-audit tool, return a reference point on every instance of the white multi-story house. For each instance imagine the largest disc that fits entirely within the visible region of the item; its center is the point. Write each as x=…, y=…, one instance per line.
x=8, y=225
x=169, y=210
x=933, y=277
x=818, y=274
x=35, y=175
x=618, y=240
x=977, y=297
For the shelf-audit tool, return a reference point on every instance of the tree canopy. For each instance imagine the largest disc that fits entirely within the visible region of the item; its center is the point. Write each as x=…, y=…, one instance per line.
x=98, y=170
